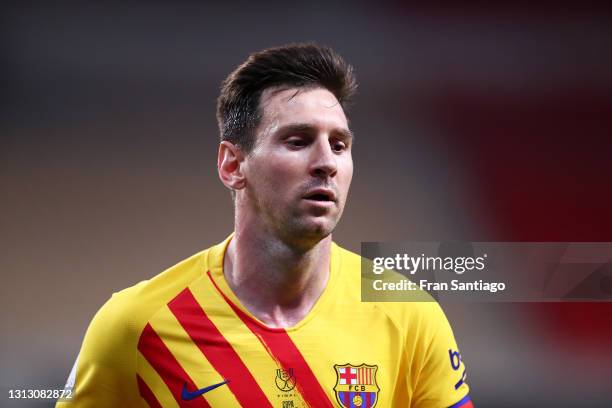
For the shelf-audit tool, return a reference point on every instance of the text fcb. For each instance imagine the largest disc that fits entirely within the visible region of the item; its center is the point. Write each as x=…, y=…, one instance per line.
x=356, y=386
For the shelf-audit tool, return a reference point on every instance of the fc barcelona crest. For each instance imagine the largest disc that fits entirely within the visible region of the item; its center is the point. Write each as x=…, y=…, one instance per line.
x=356, y=386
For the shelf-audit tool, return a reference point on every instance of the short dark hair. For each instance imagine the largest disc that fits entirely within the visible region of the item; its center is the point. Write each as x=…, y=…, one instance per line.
x=295, y=65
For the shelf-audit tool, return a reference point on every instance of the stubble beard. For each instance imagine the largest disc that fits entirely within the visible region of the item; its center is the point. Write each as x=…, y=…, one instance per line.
x=293, y=226
x=303, y=233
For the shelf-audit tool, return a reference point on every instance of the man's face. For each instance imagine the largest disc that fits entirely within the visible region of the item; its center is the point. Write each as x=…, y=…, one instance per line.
x=299, y=171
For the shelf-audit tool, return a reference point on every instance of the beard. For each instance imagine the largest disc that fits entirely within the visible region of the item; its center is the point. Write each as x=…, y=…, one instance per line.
x=290, y=218
x=303, y=230
x=297, y=225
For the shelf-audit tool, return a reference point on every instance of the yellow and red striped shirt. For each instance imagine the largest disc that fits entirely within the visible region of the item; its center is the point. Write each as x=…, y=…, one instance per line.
x=183, y=339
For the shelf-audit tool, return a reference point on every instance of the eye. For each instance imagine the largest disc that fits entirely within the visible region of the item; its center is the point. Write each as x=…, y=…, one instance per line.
x=296, y=142
x=338, y=146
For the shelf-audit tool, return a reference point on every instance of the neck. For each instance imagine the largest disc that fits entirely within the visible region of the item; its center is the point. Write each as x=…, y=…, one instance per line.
x=279, y=284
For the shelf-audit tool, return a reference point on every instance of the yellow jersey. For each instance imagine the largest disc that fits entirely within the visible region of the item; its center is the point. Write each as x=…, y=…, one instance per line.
x=183, y=339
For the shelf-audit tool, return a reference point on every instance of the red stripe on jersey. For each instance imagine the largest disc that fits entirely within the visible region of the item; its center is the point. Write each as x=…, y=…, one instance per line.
x=217, y=350
x=147, y=394
x=346, y=399
x=284, y=351
x=157, y=354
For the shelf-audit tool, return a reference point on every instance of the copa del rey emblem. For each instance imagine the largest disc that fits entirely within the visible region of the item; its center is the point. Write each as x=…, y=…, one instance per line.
x=356, y=385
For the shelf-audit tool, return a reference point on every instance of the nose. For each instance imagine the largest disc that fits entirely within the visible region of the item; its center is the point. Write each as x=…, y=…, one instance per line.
x=323, y=160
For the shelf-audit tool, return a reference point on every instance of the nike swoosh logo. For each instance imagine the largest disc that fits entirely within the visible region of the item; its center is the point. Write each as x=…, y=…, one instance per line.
x=187, y=395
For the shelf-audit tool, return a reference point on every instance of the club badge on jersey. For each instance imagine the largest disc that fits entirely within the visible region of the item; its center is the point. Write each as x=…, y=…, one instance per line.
x=356, y=385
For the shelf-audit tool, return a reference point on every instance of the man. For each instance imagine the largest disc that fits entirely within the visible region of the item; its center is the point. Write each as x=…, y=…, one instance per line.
x=272, y=316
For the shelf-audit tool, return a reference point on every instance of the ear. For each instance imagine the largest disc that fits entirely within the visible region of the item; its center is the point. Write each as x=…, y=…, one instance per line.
x=229, y=162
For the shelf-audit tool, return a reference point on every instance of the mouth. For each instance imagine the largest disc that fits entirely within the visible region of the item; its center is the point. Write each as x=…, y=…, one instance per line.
x=321, y=195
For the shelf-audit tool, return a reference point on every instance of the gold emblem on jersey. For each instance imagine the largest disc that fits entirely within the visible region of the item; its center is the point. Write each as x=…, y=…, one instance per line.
x=356, y=385
x=285, y=380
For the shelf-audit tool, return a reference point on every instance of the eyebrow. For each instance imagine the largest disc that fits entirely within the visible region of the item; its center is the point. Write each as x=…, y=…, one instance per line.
x=306, y=127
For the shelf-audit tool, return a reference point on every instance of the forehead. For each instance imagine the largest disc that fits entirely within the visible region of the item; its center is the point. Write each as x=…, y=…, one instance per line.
x=316, y=106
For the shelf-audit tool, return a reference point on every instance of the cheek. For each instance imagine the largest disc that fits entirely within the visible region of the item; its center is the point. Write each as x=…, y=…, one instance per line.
x=284, y=166
x=274, y=177
x=347, y=174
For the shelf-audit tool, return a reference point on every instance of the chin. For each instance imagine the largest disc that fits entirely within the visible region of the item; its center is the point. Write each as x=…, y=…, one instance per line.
x=306, y=235
x=320, y=229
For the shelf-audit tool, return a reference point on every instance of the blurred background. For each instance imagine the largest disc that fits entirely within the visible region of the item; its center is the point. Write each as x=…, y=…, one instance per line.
x=473, y=122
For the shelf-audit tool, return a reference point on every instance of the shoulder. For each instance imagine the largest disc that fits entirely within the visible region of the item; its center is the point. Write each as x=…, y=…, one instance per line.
x=424, y=314
x=106, y=365
x=135, y=304
x=126, y=313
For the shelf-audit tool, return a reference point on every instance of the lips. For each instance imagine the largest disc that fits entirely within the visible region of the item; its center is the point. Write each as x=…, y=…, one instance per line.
x=321, y=195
